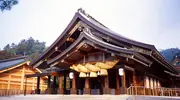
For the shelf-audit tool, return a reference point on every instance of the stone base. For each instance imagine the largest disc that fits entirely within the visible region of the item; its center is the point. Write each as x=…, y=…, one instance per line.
x=117, y=91
x=122, y=90
x=61, y=90
x=37, y=91
x=73, y=91
x=86, y=91
x=49, y=91
x=106, y=90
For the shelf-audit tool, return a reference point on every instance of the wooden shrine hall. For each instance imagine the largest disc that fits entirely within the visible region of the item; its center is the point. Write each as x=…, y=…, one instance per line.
x=97, y=60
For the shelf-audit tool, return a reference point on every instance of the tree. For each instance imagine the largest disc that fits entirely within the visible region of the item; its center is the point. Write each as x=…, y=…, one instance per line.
x=6, y=55
x=7, y=4
x=7, y=47
x=30, y=47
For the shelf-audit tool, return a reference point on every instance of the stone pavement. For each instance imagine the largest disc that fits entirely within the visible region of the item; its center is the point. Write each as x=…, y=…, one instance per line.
x=87, y=97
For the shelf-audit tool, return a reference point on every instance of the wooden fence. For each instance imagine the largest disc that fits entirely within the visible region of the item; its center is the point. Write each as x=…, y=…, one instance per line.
x=140, y=90
x=10, y=92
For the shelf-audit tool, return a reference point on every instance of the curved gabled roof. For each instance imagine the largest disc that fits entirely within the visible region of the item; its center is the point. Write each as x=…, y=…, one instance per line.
x=90, y=21
x=103, y=29
x=94, y=40
x=94, y=24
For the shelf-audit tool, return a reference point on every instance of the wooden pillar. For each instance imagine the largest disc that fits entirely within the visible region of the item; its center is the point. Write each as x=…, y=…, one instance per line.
x=123, y=82
x=25, y=86
x=61, y=90
x=9, y=80
x=38, y=84
x=106, y=89
x=22, y=77
x=87, y=83
x=157, y=83
x=64, y=82
x=134, y=79
x=49, y=82
x=73, y=89
x=86, y=89
x=54, y=85
x=49, y=85
x=117, y=92
x=135, y=83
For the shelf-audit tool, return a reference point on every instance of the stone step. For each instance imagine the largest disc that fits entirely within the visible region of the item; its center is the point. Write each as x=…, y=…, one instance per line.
x=87, y=97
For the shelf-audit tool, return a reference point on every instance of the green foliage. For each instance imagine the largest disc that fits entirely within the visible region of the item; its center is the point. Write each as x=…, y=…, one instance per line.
x=30, y=47
x=5, y=55
x=170, y=54
x=7, y=4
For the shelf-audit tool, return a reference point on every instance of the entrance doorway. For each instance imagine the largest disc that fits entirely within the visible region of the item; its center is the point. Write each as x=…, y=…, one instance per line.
x=96, y=86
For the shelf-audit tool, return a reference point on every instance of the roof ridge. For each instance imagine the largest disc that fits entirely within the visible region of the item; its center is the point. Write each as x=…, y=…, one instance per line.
x=80, y=10
x=16, y=58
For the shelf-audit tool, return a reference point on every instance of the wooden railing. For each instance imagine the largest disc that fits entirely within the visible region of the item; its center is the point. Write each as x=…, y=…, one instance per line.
x=10, y=92
x=141, y=90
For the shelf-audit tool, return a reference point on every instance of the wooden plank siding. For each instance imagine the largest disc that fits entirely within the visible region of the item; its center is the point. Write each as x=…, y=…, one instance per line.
x=14, y=79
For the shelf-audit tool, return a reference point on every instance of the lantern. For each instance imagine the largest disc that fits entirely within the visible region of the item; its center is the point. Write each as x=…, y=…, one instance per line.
x=121, y=71
x=71, y=75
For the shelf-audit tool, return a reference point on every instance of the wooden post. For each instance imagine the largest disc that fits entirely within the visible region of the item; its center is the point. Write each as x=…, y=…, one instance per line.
x=22, y=77
x=145, y=84
x=87, y=83
x=61, y=90
x=73, y=89
x=134, y=81
x=49, y=82
x=117, y=92
x=9, y=80
x=64, y=82
x=38, y=84
x=74, y=81
x=25, y=86
x=106, y=89
x=123, y=82
x=54, y=84
x=33, y=83
x=49, y=85
x=86, y=89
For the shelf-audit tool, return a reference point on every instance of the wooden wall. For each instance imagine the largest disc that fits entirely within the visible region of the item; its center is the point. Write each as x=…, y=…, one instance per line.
x=14, y=79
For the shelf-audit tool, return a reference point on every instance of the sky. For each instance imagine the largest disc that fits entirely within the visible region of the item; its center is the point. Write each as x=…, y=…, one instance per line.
x=154, y=22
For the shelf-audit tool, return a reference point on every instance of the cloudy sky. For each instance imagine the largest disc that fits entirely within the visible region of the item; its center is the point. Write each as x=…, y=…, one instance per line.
x=154, y=22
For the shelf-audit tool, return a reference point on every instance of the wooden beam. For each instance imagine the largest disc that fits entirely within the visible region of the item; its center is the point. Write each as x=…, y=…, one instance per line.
x=22, y=77
x=20, y=84
x=134, y=79
x=70, y=39
x=9, y=80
